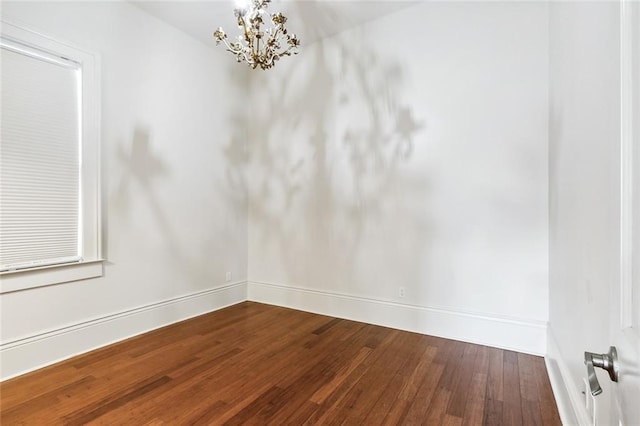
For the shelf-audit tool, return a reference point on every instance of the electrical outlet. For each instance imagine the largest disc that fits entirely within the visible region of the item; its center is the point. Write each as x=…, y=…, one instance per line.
x=401, y=292
x=228, y=276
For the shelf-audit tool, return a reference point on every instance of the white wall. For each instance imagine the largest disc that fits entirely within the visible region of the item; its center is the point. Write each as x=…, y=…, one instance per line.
x=584, y=168
x=410, y=152
x=174, y=205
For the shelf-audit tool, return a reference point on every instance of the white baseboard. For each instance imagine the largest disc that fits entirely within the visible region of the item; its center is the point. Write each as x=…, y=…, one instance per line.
x=28, y=354
x=512, y=334
x=570, y=400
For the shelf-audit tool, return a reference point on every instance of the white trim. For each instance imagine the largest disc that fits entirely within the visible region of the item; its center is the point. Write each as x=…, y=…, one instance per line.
x=41, y=55
x=626, y=166
x=570, y=401
x=502, y=332
x=90, y=181
x=49, y=275
x=27, y=354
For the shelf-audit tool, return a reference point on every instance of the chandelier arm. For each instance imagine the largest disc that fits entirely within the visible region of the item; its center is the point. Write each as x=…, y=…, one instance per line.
x=288, y=51
x=236, y=52
x=248, y=59
x=275, y=33
x=230, y=48
x=244, y=28
x=269, y=61
x=252, y=42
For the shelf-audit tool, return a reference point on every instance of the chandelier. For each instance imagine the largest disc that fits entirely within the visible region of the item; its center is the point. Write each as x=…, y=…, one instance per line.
x=258, y=47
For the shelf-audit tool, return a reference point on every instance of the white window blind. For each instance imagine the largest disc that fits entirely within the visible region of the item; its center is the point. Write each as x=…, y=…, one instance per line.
x=40, y=151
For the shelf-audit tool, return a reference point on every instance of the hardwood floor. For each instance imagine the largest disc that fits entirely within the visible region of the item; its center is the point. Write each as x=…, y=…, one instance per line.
x=259, y=364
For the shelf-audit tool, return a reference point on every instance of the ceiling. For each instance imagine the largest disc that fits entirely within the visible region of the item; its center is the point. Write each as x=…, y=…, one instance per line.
x=311, y=20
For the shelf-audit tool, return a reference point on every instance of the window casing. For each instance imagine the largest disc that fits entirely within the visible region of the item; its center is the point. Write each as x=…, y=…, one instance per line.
x=49, y=159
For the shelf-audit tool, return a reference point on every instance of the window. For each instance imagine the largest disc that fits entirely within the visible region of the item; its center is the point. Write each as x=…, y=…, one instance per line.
x=49, y=166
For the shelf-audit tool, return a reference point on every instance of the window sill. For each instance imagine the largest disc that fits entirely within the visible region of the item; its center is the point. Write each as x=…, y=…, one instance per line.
x=11, y=281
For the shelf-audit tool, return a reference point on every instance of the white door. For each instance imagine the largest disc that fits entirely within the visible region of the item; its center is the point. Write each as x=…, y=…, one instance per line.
x=625, y=312
x=594, y=292
x=619, y=404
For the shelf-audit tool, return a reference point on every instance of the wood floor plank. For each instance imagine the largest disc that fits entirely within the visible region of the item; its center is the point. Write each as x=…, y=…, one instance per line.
x=481, y=363
x=475, y=405
x=380, y=380
x=495, y=385
x=203, y=418
x=88, y=414
x=493, y=413
x=396, y=415
x=413, y=380
x=396, y=384
x=333, y=401
x=35, y=409
x=365, y=391
x=512, y=405
x=324, y=371
x=531, y=415
x=37, y=383
x=299, y=416
x=452, y=364
x=528, y=384
x=258, y=364
x=464, y=375
x=437, y=410
x=421, y=403
x=320, y=395
x=548, y=408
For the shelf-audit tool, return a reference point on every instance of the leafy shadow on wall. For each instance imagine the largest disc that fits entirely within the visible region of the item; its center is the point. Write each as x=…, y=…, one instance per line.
x=328, y=137
x=142, y=172
x=140, y=164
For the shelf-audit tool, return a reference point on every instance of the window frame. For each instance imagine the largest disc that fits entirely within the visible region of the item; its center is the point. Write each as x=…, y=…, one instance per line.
x=90, y=265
